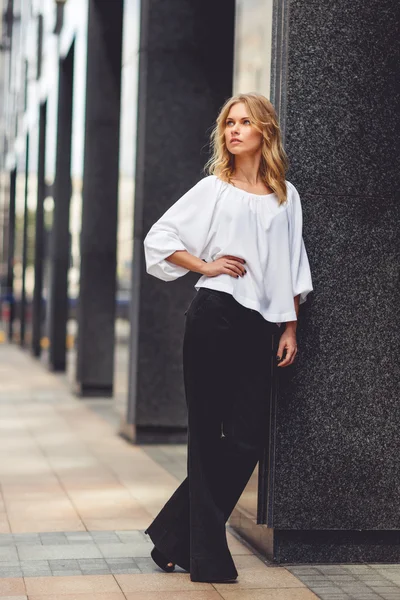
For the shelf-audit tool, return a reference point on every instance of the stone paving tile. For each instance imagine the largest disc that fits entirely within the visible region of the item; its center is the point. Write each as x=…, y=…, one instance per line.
x=120, y=561
x=6, y=539
x=303, y=570
x=8, y=553
x=123, y=550
x=66, y=573
x=79, y=584
x=37, y=573
x=12, y=587
x=64, y=551
x=125, y=570
x=98, y=571
x=79, y=537
x=105, y=536
x=66, y=565
x=334, y=596
x=10, y=572
x=9, y=563
x=88, y=563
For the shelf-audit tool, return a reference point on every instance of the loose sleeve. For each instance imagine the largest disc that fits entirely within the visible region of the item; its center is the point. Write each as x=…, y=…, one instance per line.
x=300, y=267
x=186, y=225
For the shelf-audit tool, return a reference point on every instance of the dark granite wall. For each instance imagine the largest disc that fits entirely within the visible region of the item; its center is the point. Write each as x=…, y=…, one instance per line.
x=58, y=309
x=185, y=75
x=338, y=418
x=96, y=308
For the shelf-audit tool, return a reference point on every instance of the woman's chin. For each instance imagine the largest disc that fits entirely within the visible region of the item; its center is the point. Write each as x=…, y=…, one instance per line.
x=235, y=150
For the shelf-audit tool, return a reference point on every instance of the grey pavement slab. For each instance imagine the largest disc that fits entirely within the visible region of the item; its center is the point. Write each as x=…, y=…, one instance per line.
x=8, y=553
x=99, y=572
x=70, y=551
x=66, y=573
x=93, y=563
x=123, y=550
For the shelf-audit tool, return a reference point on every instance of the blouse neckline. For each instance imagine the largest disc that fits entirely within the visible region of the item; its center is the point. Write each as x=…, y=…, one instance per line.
x=245, y=191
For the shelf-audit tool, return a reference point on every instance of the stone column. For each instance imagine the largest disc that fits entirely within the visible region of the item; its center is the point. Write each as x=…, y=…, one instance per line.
x=96, y=309
x=11, y=254
x=60, y=236
x=185, y=75
x=37, y=303
x=24, y=245
x=334, y=491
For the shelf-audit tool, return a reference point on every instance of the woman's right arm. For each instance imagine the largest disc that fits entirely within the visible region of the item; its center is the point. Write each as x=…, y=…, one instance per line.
x=183, y=258
x=177, y=242
x=231, y=265
x=184, y=229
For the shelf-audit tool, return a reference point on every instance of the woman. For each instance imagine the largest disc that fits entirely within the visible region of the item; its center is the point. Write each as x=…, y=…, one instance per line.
x=241, y=228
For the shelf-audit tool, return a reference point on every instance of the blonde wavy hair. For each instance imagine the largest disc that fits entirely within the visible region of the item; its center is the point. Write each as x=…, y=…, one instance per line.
x=274, y=161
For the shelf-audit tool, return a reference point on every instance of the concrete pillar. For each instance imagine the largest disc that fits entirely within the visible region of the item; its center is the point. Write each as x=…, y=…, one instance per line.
x=37, y=303
x=24, y=246
x=185, y=75
x=333, y=496
x=60, y=236
x=96, y=309
x=11, y=254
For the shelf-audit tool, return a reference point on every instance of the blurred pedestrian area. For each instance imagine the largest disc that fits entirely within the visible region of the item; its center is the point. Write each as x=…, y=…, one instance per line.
x=76, y=498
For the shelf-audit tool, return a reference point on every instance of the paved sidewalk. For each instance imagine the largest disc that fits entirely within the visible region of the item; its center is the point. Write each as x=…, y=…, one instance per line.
x=75, y=500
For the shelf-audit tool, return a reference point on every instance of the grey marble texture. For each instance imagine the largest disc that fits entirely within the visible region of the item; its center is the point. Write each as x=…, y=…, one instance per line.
x=185, y=75
x=338, y=417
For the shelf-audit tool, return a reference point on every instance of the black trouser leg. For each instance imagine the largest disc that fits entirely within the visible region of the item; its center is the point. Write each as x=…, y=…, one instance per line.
x=226, y=357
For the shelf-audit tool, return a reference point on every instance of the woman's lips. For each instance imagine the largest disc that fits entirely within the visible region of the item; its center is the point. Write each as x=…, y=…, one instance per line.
x=236, y=142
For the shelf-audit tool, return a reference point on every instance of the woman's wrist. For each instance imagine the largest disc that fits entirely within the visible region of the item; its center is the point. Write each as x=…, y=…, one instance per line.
x=291, y=326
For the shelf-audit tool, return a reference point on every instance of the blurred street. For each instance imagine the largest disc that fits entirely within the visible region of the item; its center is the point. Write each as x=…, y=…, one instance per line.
x=76, y=498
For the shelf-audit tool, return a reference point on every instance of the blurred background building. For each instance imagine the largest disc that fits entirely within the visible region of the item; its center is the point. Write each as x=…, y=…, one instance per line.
x=105, y=112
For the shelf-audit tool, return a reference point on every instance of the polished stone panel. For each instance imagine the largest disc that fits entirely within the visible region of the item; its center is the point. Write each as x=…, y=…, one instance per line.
x=336, y=465
x=96, y=307
x=185, y=74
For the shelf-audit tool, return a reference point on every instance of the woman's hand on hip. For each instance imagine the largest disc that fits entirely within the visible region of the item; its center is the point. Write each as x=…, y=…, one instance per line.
x=230, y=265
x=287, y=342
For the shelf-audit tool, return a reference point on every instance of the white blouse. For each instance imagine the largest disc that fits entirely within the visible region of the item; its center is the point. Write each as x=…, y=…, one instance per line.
x=215, y=218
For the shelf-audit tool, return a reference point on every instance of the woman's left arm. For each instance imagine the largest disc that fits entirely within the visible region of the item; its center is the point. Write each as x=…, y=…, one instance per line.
x=288, y=339
x=301, y=275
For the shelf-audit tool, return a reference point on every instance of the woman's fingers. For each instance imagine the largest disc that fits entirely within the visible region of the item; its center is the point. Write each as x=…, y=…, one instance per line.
x=291, y=351
x=235, y=258
x=238, y=268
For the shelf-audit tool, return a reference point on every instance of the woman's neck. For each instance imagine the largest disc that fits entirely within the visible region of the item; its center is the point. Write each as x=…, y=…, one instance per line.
x=247, y=169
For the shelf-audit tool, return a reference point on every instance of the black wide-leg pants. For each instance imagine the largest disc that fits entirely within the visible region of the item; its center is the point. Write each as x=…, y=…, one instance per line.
x=227, y=377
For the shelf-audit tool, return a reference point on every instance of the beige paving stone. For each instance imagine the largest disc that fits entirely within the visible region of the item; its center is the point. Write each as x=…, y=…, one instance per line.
x=253, y=573
x=12, y=587
x=60, y=510
x=113, y=512
x=235, y=546
x=4, y=524
x=168, y=582
x=268, y=594
x=163, y=595
x=61, y=586
x=20, y=491
x=90, y=596
x=42, y=526
x=141, y=522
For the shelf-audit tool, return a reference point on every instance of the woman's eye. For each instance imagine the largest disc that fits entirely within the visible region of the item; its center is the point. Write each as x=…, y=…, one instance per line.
x=246, y=121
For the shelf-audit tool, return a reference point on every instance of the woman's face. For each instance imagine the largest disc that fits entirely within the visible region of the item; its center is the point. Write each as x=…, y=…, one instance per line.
x=240, y=135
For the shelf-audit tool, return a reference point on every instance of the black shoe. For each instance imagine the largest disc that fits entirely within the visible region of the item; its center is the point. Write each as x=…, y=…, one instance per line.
x=215, y=580
x=161, y=561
